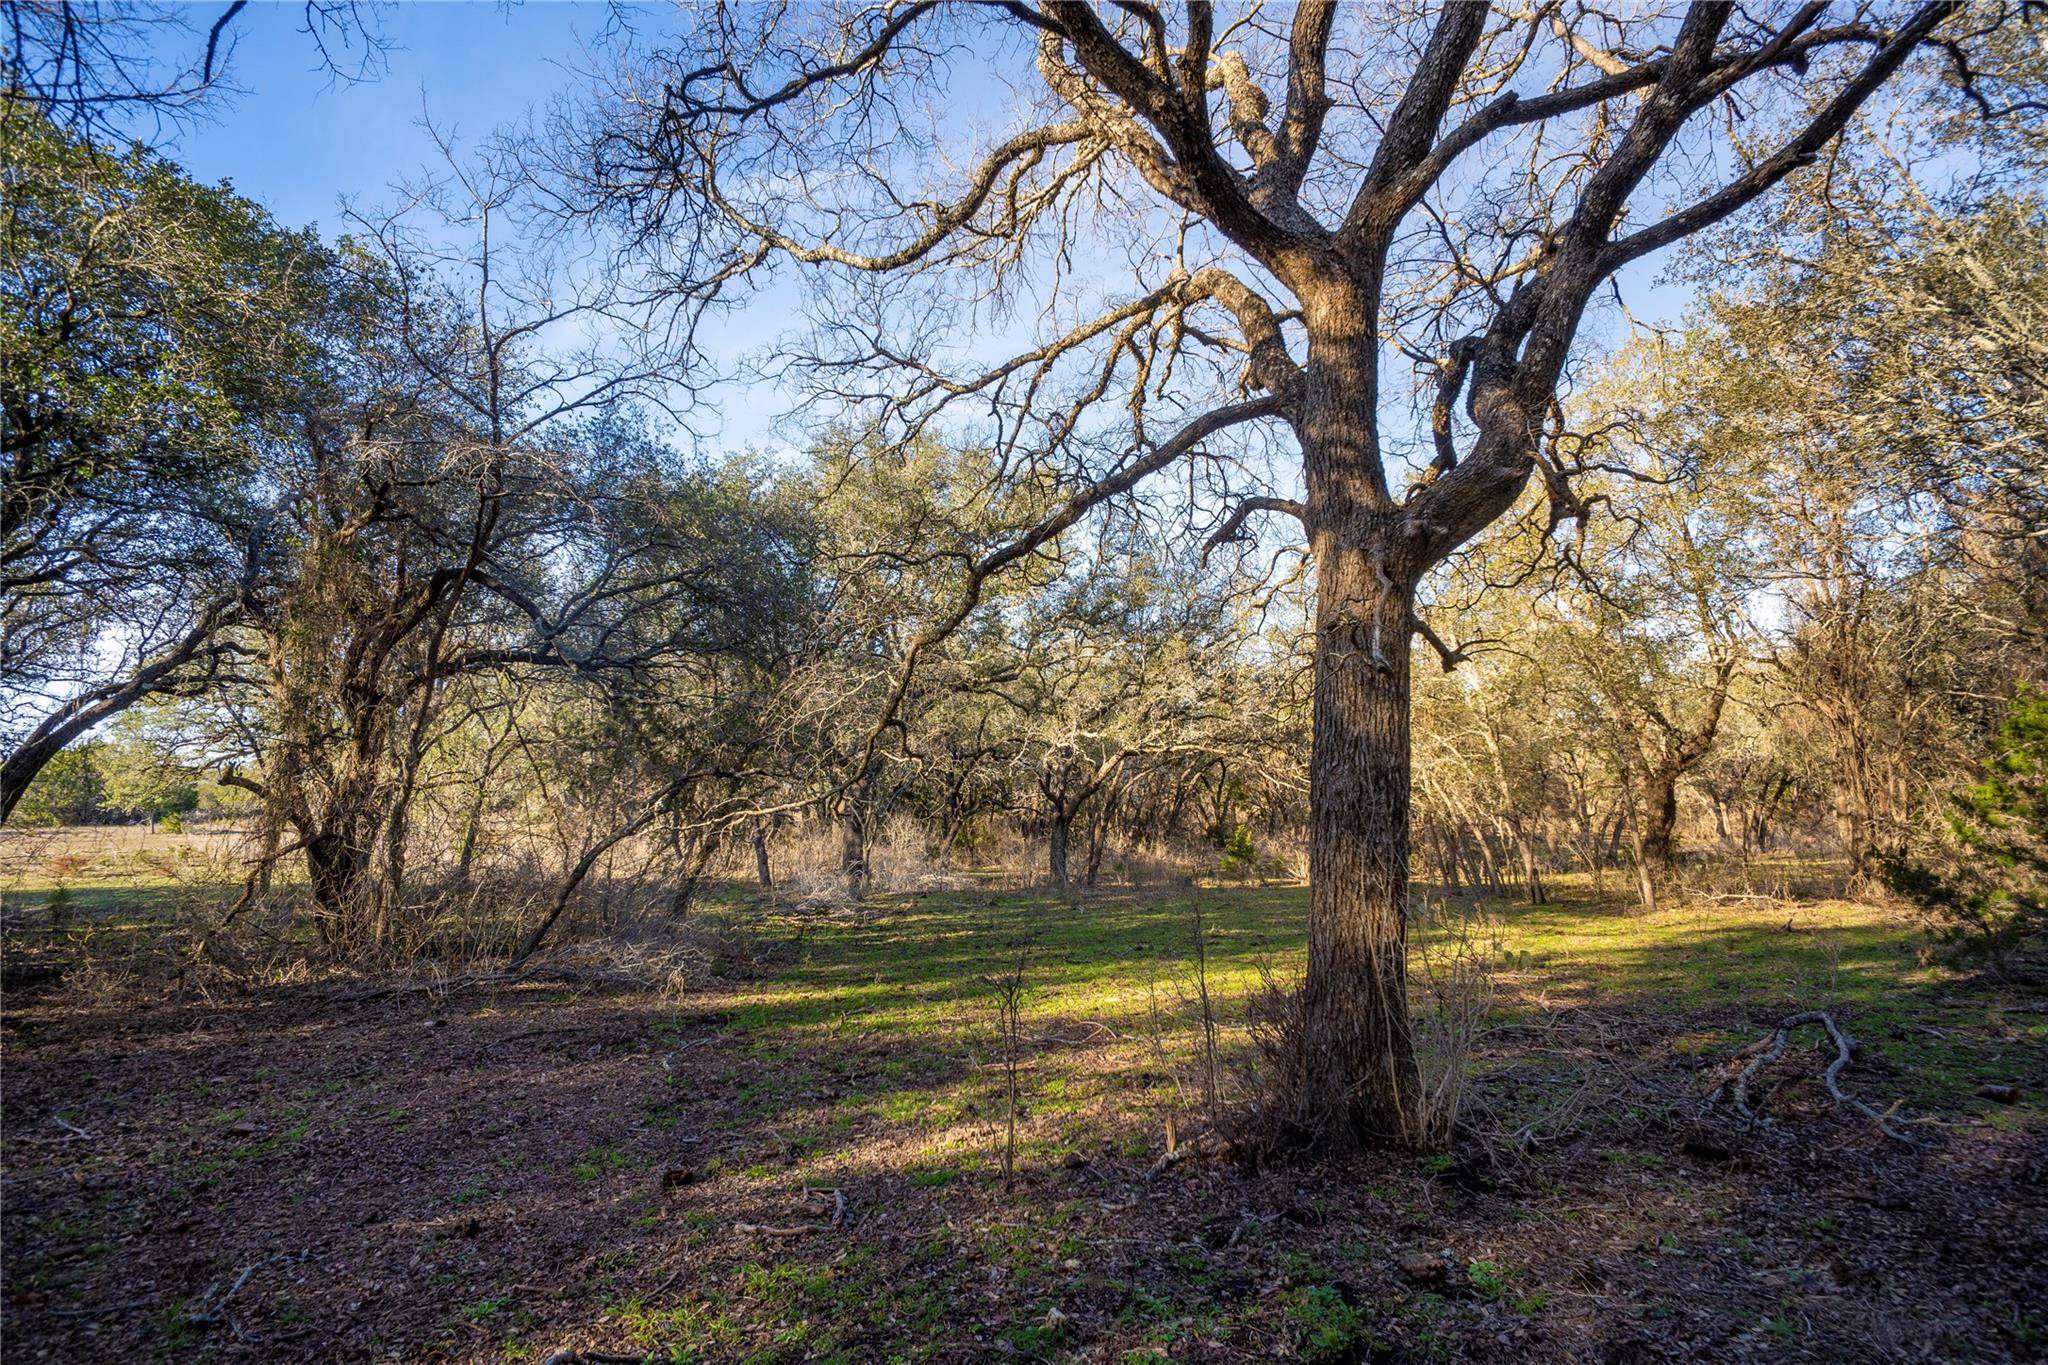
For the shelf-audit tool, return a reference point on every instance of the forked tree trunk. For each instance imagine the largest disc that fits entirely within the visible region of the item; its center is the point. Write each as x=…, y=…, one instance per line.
x=1660, y=819
x=1489, y=860
x=1359, y=1045
x=1098, y=839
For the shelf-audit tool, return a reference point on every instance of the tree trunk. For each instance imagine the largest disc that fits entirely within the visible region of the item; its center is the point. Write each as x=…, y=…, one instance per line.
x=21, y=768
x=1855, y=800
x=1646, y=879
x=1360, y=1049
x=853, y=849
x=266, y=857
x=1056, y=831
x=1447, y=861
x=387, y=891
x=685, y=894
x=472, y=827
x=1098, y=840
x=762, y=873
x=336, y=868
x=1660, y=819
x=1489, y=861
x=95, y=706
x=1532, y=871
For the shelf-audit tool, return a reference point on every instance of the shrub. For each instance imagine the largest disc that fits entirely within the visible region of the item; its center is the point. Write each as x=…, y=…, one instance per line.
x=1979, y=871
x=1240, y=856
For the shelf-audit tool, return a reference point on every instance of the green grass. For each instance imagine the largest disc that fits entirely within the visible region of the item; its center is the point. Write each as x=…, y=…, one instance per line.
x=599, y=1161
x=914, y=978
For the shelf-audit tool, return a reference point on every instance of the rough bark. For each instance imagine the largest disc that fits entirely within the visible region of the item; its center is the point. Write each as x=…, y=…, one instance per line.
x=1659, y=799
x=166, y=673
x=1532, y=870
x=337, y=873
x=702, y=844
x=1359, y=1043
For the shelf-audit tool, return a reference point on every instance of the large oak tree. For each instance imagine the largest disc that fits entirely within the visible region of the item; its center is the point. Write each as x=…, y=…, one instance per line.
x=1204, y=235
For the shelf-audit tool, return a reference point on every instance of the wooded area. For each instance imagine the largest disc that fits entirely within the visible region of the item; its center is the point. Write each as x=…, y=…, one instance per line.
x=1380, y=692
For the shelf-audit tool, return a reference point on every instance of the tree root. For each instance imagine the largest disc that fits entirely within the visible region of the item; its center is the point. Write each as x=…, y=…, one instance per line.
x=1767, y=1050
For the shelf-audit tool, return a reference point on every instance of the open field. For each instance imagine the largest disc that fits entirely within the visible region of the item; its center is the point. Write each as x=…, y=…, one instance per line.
x=328, y=1170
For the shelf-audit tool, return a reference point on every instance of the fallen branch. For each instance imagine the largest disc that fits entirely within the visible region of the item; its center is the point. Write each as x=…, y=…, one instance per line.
x=1767, y=1050
x=770, y=1230
x=212, y=1307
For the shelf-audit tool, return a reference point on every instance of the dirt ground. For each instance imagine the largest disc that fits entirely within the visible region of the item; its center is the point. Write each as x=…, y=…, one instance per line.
x=536, y=1170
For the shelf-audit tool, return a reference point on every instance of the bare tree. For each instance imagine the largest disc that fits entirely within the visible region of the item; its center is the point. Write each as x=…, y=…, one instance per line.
x=1268, y=197
x=110, y=66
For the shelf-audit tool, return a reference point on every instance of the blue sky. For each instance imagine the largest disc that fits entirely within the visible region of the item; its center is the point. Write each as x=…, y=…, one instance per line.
x=297, y=140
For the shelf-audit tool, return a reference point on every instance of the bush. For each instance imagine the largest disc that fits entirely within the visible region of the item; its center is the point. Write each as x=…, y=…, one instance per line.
x=1979, y=871
x=1240, y=855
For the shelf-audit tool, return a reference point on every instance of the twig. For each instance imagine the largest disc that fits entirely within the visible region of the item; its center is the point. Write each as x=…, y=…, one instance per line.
x=680, y=1048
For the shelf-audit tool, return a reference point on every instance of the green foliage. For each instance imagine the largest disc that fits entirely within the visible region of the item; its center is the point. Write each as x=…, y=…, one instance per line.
x=141, y=780
x=124, y=777
x=1980, y=871
x=1330, y=1328
x=1240, y=855
x=143, y=309
x=152, y=332
x=68, y=791
x=1489, y=1280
